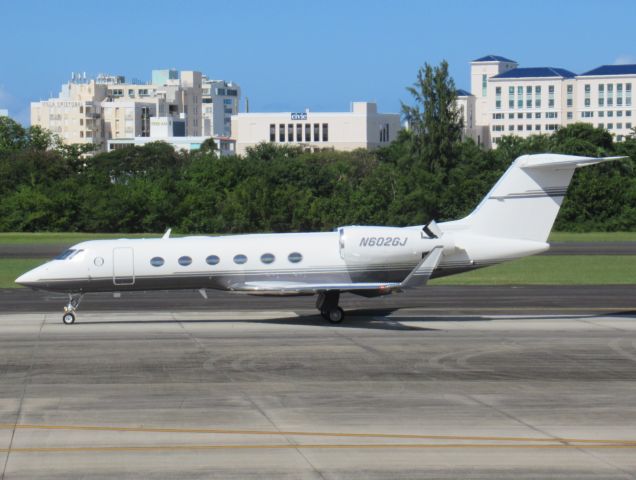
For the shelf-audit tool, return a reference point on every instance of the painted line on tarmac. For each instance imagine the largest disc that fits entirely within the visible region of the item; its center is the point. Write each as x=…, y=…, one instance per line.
x=315, y=434
x=150, y=448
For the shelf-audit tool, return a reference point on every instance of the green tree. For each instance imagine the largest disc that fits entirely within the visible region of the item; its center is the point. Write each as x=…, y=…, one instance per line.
x=435, y=119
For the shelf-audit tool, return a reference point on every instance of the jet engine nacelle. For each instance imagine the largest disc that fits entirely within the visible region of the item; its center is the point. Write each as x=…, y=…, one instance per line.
x=384, y=244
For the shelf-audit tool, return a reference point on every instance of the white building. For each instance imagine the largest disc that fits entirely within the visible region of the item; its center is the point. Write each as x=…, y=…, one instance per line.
x=172, y=131
x=508, y=100
x=220, y=101
x=361, y=127
x=97, y=110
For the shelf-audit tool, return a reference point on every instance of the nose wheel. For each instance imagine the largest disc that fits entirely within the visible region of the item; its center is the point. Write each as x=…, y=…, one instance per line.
x=69, y=311
x=327, y=303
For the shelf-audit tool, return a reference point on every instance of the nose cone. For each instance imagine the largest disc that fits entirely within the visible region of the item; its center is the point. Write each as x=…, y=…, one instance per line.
x=29, y=279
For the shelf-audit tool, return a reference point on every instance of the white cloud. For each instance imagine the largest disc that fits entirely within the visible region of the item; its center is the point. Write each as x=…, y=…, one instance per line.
x=625, y=59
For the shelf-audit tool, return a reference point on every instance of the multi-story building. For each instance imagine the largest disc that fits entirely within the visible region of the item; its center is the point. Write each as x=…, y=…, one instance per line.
x=508, y=100
x=173, y=132
x=362, y=127
x=97, y=110
x=220, y=101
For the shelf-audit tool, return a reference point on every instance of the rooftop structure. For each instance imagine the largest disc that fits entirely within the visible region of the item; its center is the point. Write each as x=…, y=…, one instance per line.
x=361, y=127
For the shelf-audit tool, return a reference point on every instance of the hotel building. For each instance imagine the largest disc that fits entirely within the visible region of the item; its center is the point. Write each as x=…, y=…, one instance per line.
x=508, y=100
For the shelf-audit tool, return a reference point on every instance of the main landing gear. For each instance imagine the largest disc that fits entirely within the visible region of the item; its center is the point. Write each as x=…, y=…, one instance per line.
x=327, y=303
x=74, y=300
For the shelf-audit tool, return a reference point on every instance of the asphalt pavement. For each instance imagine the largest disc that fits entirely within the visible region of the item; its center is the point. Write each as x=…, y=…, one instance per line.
x=278, y=393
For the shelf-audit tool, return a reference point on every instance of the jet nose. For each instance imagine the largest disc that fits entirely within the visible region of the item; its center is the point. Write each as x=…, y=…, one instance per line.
x=29, y=279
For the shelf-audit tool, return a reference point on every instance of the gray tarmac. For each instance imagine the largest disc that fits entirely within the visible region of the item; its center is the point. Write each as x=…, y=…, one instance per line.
x=477, y=388
x=558, y=248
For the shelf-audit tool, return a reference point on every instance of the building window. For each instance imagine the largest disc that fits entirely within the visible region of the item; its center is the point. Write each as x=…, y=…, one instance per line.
x=519, y=127
x=295, y=257
x=308, y=132
x=511, y=116
x=272, y=132
x=520, y=103
x=511, y=128
x=511, y=104
x=156, y=261
x=519, y=115
x=537, y=127
x=528, y=127
x=619, y=126
x=484, y=85
x=240, y=259
x=325, y=132
x=281, y=132
x=601, y=114
x=212, y=260
x=184, y=261
x=290, y=132
x=267, y=258
x=587, y=102
x=537, y=102
x=511, y=91
x=529, y=103
x=600, y=125
x=316, y=132
x=628, y=125
x=299, y=132
x=537, y=115
x=537, y=90
x=528, y=90
x=498, y=104
x=570, y=116
x=528, y=115
x=610, y=114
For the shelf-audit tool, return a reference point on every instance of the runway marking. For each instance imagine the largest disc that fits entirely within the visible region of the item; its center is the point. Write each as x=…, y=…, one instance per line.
x=316, y=434
x=146, y=448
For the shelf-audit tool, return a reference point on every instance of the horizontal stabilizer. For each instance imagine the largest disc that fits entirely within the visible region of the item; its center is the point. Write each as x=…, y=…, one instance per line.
x=553, y=160
x=422, y=273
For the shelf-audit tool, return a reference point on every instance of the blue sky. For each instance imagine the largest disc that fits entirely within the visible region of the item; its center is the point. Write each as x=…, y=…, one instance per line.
x=291, y=55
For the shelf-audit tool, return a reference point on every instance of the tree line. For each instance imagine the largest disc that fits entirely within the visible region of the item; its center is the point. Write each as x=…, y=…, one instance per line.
x=429, y=172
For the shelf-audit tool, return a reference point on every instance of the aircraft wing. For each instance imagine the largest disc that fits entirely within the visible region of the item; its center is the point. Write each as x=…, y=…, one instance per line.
x=418, y=277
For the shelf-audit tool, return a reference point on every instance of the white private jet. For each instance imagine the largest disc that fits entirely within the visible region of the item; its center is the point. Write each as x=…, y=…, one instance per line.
x=512, y=221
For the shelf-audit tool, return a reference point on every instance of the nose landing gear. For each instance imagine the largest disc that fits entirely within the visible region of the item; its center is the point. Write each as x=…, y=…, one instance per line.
x=74, y=300
x=327, y=303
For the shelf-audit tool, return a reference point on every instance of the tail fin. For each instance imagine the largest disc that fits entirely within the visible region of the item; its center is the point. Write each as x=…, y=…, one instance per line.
x=525, y=201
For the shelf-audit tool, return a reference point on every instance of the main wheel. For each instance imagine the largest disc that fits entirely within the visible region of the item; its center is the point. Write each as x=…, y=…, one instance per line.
x=68, y=318
x=335, y=315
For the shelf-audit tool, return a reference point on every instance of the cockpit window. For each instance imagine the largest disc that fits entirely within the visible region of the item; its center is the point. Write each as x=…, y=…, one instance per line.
x=74, y=254
x=65, y=254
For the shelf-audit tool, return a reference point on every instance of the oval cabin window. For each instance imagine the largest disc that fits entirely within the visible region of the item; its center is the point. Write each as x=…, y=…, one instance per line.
x=212, y=260
x=185, y=261
x=295, y=257
x=267, y=258
x=240, y=259
x=156, y=261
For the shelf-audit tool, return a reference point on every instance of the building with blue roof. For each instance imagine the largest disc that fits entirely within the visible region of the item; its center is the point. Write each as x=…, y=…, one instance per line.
x=506, y=99
x=611, y=70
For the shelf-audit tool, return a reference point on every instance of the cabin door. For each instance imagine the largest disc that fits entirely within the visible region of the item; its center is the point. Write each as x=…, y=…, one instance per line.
x=123, y=266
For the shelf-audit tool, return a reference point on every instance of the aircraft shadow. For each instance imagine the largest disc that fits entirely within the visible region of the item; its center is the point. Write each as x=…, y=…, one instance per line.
x=375, y=319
